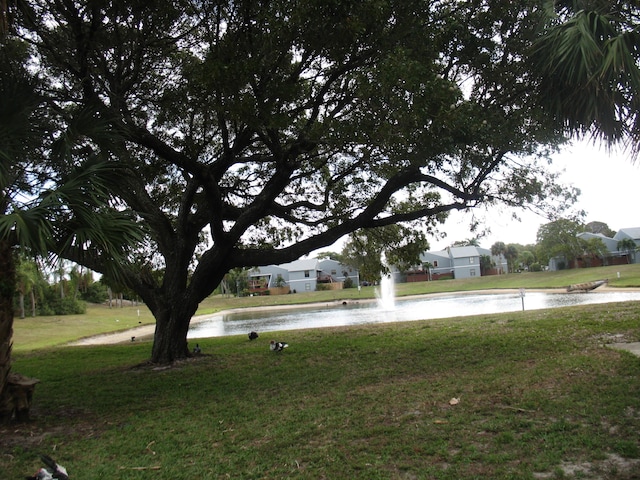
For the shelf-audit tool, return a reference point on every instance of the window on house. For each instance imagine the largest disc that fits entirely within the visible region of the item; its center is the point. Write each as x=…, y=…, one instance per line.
x=333, y=272
x=435, y=263
x=306, y=274
x=471, y=260
x=472, y=272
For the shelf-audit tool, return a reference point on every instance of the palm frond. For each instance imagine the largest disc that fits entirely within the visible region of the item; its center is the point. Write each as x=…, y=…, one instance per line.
x=589, y=77
x=29, y=228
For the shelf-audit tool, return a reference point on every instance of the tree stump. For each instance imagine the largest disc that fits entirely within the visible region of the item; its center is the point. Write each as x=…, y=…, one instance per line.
x=19, y=396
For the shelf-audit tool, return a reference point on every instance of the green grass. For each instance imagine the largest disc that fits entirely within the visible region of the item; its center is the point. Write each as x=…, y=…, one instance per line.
x=537, y=391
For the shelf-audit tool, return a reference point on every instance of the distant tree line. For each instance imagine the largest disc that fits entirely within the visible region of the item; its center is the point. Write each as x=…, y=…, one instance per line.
x=61, y=290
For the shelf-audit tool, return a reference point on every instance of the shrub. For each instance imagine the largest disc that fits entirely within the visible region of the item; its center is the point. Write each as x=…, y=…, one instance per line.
x=95, y=293
x=64, y=306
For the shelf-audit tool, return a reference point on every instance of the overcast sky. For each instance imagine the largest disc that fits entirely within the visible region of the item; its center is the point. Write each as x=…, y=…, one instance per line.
x=609, y=193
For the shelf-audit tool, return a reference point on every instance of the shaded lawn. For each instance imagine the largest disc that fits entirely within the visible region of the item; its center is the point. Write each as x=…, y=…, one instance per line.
x=535, y=389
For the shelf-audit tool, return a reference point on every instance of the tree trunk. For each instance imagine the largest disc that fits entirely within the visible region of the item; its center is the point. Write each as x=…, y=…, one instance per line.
x=172, y=326
x=33, y=302
x=21, y=303
x=7, y=289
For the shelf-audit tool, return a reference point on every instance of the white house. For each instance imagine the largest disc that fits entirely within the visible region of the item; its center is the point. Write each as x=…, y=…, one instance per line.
x=303, y=275
x=334, y=271
x=267, y=277
x=461, y=262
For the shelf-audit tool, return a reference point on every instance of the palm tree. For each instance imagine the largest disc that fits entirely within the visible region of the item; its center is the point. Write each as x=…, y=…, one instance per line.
x=428, y=266
x=511, y=254
x=595, y=247
x=628, y=246
x=587, y=59
x=27, y=276
x=499, y=249
x=41, y=209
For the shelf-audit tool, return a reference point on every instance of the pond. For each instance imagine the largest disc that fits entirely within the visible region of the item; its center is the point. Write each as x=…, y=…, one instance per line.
x=368, y=312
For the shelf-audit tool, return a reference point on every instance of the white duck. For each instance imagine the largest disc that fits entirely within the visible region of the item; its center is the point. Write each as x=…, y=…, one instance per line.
x=277, y=346
x=58, y=471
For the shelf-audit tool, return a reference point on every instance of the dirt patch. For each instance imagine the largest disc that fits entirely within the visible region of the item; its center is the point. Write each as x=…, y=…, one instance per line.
x=614, y=466
x=156, y=367
x=33, y=435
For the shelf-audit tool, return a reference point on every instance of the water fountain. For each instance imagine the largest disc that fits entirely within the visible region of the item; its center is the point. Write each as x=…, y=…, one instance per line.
x=386, y=292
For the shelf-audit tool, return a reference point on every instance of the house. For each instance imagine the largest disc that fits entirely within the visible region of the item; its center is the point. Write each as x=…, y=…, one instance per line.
x=302, y=275
x=439, y=263
x=610, y=243
x=458, y=262
x=334, y=271
x=613, y=256
x=631, y=233
x=266, y=278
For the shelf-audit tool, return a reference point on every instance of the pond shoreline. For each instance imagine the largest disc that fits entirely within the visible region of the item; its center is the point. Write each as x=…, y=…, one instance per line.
x=145, y=333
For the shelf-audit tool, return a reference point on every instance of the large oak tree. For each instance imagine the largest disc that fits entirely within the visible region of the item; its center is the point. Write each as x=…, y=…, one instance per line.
x=255, y=132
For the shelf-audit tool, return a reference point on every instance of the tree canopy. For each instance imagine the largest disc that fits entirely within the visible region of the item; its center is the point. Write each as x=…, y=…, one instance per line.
x=374, y=251
x=256, y=132
x=559, y=238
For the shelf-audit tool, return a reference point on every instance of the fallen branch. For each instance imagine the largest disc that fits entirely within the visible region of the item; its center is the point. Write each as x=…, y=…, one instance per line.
x=156, y=467
x=517, y=409
x=149, y=448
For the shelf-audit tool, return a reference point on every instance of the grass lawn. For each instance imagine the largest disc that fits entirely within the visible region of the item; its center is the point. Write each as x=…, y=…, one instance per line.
x=523, y=395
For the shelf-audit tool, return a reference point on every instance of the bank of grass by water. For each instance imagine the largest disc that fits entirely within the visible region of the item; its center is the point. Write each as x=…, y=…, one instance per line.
x=537, y=395
x=42, y=332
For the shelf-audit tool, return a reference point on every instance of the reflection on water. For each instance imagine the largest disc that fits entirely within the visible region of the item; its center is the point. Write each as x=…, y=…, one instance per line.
x=425, y=308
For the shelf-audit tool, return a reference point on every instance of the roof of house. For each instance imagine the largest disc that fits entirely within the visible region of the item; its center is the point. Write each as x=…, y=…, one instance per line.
x=591, y=235
x=462, y=252
x=633, y=233
x=439, y=253
x=300, y=265
x=267, y=270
